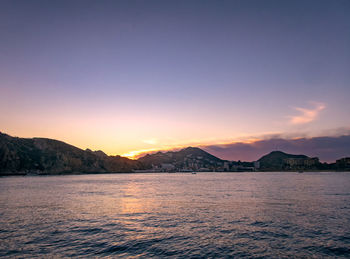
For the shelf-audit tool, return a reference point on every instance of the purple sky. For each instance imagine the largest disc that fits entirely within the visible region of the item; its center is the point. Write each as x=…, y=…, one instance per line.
x=125, y=76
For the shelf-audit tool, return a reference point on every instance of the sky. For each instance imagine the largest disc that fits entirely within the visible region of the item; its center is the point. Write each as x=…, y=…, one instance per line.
x=134, y=76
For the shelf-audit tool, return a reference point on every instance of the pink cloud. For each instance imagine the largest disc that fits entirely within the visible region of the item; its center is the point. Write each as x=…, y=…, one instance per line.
x=307, y=115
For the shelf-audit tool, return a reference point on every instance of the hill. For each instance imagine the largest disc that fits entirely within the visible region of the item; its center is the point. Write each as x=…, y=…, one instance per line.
x=190, y=158
x=276, y=160
x=48, y=156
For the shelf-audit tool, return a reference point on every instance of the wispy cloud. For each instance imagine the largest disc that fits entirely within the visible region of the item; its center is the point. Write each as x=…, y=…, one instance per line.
x=307, y=115
x=151, y=141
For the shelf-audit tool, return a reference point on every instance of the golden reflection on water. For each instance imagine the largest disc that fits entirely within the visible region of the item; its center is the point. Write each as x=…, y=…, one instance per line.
x=130, y=202
x=110, y=200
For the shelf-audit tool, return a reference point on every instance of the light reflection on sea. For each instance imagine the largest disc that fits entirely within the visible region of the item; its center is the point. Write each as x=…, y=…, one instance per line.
x=177, y=215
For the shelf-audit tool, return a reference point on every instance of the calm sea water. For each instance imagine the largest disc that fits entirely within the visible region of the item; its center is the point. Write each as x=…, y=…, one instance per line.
x=176, y=215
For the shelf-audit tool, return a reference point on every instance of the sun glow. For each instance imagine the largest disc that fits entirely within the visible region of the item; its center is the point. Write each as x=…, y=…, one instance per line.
x=135, y=154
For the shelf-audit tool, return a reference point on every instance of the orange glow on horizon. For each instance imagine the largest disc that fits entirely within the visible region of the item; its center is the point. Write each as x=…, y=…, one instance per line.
x=135, y=154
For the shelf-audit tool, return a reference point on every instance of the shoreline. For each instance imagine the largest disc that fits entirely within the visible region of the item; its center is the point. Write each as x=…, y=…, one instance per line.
x=23, y=174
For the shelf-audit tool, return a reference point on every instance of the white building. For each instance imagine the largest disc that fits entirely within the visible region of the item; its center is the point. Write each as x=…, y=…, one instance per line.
x=167, y=167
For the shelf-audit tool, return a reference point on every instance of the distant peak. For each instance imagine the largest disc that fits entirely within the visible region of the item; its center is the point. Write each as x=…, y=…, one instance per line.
x=191, y=148
x=277, y=152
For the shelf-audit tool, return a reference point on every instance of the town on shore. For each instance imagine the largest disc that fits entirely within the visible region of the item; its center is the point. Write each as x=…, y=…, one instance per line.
x=42, y=156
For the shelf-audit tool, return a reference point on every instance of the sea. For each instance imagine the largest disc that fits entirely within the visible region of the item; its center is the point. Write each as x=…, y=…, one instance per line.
x=176, y=215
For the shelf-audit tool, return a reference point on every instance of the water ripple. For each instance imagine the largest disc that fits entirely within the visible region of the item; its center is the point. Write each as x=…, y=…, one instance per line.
x=157, y=215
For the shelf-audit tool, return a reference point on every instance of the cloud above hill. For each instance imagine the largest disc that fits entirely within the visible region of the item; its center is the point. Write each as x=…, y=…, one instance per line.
x=328, y=149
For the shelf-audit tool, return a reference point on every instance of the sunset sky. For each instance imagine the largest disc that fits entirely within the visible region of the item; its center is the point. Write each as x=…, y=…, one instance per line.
x=130, y=76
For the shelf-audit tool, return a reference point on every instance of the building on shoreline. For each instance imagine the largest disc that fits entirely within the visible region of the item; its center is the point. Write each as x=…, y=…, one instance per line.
x=301, y=163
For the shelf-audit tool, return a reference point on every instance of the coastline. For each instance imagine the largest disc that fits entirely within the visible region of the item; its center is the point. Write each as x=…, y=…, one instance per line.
x=23, y=174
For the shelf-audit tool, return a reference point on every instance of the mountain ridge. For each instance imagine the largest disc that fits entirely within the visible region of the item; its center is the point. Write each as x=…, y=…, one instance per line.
x=50, y=156
x=21, y=156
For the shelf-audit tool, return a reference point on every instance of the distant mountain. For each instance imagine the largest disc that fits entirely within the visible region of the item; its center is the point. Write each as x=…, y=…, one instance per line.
x=48, y=156
x=276, y=160
x=191, y=158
